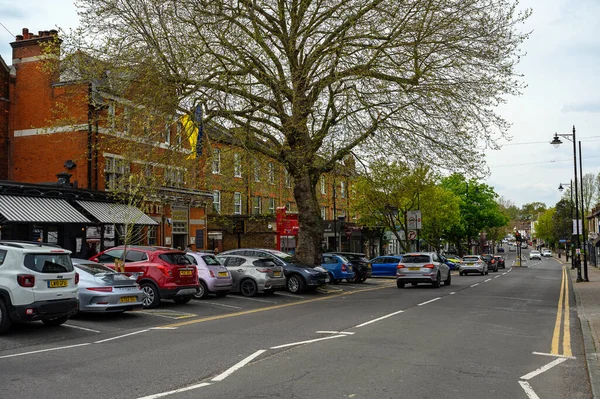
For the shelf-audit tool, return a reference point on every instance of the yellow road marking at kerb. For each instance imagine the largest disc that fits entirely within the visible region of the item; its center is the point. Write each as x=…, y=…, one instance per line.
x=567, y=323
x=245, y=312
x=556, y=335
x=563, y=300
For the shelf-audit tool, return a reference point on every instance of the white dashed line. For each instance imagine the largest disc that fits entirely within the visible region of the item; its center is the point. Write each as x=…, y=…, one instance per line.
x=431, y=300
x=504, y=273
x=497, y=276
x=452, y=293
x=489, y=279
x=378, y=319
x=238, y=366
x=475, y=285
x=305, y=342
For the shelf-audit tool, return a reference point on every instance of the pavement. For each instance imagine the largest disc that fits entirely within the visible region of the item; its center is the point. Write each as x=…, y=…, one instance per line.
x=587, y=296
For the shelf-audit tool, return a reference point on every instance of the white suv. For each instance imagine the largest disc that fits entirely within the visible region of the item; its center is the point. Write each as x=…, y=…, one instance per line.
x=37, y=282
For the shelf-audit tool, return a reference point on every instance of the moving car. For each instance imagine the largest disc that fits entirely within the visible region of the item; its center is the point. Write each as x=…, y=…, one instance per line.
x=101, y=289
x=299, y=275
x=166, y=273
x=500, y=261
x=547, y=252
x=491, y=262
x=535, y=255
x=360, y=266
x=37, y=282
x=473, y=264
x=422, y=267
x=213, y=277
x=385, y=265
x=339, y=268
x=252, y=275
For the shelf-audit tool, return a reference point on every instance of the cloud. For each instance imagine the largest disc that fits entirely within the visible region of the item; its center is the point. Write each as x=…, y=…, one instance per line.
x=9, y=11
x=584, y=106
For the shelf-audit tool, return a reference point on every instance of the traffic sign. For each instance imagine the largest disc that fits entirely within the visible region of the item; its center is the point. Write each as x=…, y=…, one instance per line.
x=412, y=235
x=414, y=220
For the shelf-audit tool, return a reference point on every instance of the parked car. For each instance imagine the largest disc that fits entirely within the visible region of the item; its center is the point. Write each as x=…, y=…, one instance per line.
x=385, y=265
x=213, y=277
x=491, y=262
x=339, y=268
x=166, y=273
x=252, y=275
x=512, y=248
x=473, y=264
x=101, y=289
x=454, y=258
x=422, y=267
x=37, y=282
x=452, y=265
x=299, y=275
x=547, y=252
x=360, y=265
x=500, y=249
x=535, y=255
x=500, y=261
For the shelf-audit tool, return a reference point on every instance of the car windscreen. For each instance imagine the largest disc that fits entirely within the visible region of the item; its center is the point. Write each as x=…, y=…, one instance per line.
x=415, y=259
x=48, y=263
x=96, y=269
x=175, y=258
x=211, y=260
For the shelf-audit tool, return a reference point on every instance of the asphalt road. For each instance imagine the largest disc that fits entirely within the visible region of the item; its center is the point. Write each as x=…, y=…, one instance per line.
x=503, y=335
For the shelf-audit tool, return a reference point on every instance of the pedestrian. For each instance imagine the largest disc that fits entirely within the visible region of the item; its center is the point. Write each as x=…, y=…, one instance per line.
x=188, y=248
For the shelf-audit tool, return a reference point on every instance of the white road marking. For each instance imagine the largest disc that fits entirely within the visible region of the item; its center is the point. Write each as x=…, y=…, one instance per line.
x=452, y=293
x=163, y=328
x=504, y=273
x=80, y=328
x=489, y=279
x=496, y=276
x=160, y=395
x=121, y=336
x=553, y=355
x=528, y=390
x=254, y=299
x=475, y=285
x=43, y=350
x=327, y=332
x=346, y=333
x=429, y=301
x=222, y=304
x=306, y=342
x=543, y=369
x=378, y=319
x=288, y=294
x=238, y=366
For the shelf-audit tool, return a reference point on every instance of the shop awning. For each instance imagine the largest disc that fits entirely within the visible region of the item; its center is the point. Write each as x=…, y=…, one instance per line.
x=113, y=213
x=17, y=209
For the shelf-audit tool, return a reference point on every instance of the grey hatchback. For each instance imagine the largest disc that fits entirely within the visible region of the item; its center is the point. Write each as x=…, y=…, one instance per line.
x=422, y=267
x=252, y=275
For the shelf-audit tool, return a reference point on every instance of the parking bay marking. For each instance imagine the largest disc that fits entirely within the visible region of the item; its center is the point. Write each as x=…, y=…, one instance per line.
x=168, y=314
x=80, y=328
x=307, y=342
x=121, y=336
x=43, y=350
x=288, y=295
x=254, y=299
x=222, y=304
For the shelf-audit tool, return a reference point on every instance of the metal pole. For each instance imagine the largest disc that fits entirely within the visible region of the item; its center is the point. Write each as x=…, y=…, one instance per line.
x=572, y=210
x=335, y=243
x=584, y=249
x=578, y=262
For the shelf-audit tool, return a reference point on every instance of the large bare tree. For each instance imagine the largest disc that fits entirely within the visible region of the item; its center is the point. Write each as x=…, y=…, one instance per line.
x=295, y=79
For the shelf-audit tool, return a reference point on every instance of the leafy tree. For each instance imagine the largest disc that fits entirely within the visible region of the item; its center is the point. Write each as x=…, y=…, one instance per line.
x=530, y=211
x=562, y=220
x=590, y=190
x=296, y=78
x=545, y=227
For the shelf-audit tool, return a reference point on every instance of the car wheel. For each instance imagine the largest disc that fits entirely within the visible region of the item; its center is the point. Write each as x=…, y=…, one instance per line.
x=221, y=294
x=295, y=284
x=57, y=321
x=461, y=273
x=487, y=272
x=437, y=282
x=448, y=281
x=203, y=293
x=399, y=284
x=362, y=280
x=496, y=269
x=482, y=272
x=151, y=297
x=248, y=287
x=5, y=321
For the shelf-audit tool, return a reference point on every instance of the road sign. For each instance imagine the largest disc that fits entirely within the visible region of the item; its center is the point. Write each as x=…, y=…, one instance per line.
x=578, y=251
x=412, y=235
x=238, y=226
x=414, y=220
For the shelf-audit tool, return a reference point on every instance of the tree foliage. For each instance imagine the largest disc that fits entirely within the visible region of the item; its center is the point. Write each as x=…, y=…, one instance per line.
x=545, y=227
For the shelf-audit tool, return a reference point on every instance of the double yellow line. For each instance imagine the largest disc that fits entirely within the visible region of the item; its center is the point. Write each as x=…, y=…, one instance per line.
x=563, y=303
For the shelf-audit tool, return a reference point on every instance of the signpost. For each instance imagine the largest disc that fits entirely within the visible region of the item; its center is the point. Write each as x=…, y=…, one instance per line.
x=413, y=219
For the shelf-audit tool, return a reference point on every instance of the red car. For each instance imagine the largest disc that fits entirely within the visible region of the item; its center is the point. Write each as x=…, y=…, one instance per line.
x=165, y=273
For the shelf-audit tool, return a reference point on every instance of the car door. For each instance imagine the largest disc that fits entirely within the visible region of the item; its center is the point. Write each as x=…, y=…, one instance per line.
x=444, y=269
x=234, y=265
x=136, y=262
x=379, y=266
x=329, y=263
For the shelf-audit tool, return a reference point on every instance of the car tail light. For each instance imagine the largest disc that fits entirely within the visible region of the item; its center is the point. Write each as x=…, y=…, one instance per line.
x=263, y=270
x=493, y=261
x=429, y=266
x=26, y=280
x=400, y=266
x=344, y=267
x=166, y=270
x=100, y=289
x=76, y=278
x=212, y=274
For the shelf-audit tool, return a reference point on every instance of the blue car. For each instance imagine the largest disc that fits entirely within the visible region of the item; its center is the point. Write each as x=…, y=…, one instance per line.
x=449, y=263
x=385, y=265
x=339, y=268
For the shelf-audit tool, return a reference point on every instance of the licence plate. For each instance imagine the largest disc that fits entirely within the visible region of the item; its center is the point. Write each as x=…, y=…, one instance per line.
x=222, y=274
x=58, y=283
x=185, y=272
x=414, y=268
x=128, y=299
x=277, y=274
x=470, y=264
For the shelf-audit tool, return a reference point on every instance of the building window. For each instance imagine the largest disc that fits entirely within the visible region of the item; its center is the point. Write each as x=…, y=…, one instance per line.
x=217, y=201
x=237, y=165
x=341, y=213
x=323, y=213
x=237, y=203
x=112, y=115
x=174, y=177
x=216, y=161
x=272, y=206
x=271, y=172
x=287, y=178
x=168, y=133
x=288, y=206
x=152, y=235
x=257, y=205
x=343, y=189
x=126, y=120
x=323, y=185
x=114, y=170
x=256, y=170
x=178, y=133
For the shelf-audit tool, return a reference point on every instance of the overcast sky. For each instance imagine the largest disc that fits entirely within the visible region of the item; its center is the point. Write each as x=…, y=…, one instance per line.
x=561, y=70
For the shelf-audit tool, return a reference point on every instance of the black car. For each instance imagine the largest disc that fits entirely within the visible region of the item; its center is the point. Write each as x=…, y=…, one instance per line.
x=360, y=265
x=500, y=261
x=299, y=276
x=491, y=262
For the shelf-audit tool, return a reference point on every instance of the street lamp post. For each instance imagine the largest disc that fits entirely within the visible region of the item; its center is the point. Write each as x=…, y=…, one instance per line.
x=584, y=249
x=561, y=188
x=556, y=142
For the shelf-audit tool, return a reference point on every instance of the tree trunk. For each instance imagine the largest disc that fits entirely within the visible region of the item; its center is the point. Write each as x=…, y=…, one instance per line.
x=310, y=233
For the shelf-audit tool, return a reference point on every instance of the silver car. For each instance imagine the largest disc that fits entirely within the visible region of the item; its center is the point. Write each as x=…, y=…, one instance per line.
x=473, y=264
x=101, y=289
x=422, y=267
x=252, y=275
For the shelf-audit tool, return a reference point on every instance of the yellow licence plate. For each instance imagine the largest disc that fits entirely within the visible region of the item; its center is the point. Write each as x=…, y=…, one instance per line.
x=414, y=268
x=470, y=264
x=277, y=274
x=185, y=272
x=128, y=299
x=58, y=283
x=222, y=274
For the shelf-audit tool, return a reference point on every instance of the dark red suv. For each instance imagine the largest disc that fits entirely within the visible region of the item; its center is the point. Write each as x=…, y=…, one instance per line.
x=166, y=273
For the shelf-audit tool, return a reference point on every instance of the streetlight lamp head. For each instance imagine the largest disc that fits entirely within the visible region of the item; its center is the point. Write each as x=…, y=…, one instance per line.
x=560, y=187
x=556, y=142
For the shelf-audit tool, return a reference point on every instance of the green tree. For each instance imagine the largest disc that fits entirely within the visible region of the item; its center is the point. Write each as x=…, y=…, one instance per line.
x=296, y=78
x=545, y=227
